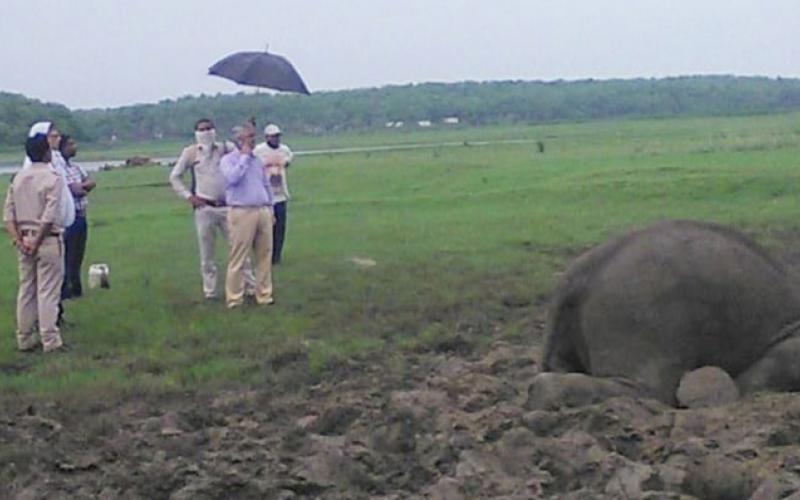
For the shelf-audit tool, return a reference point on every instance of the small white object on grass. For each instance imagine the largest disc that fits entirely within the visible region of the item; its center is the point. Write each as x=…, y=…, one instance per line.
x=98, y=276
x=363, y=262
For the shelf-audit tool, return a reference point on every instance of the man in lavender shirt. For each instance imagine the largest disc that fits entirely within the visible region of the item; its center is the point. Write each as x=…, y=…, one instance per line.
x=250, y=218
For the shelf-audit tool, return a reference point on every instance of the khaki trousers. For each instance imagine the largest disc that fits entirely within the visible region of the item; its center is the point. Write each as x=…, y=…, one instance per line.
x=249, y=229
x=40, y=279
x=209, y=222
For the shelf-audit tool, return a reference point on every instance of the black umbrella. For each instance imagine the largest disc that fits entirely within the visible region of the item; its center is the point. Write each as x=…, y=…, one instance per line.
x=260, y=69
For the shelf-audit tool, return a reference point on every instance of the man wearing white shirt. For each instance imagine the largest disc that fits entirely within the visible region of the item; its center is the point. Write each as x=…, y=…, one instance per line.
x=276, y=158
x=66, y=206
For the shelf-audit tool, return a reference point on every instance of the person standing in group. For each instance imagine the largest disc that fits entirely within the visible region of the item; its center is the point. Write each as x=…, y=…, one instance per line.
x=75, y=236
x=207, y=197
x=250, y=218
x=66, y=206
x=66, y=212
x=30, y=215
x=276, y=157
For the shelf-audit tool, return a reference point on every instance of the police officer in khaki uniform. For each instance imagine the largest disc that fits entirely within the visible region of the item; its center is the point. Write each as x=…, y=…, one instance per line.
x=30, y=214
x=207, y=197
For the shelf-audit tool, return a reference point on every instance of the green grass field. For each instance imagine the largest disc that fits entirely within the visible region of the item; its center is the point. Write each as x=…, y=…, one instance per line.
x=467, y=241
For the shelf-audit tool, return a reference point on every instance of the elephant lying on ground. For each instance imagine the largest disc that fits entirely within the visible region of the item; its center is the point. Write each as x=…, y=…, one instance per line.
x=640, y=311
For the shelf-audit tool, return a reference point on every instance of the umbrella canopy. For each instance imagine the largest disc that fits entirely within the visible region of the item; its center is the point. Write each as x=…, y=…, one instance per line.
x=260, y=69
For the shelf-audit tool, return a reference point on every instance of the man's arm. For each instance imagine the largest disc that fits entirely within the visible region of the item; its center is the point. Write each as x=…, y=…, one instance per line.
x=82, y=186
x=77, y=189
x=233, y=168
x=176, y=178
x=87, y=181
x=289, y=155
x=44, y=230
x=13, y=231
x=10, y=218
x=176, y=175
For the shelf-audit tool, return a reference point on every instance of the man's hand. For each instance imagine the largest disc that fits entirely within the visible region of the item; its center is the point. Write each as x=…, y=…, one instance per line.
x=31, y=248
x=247, y=148
x=17, y=240
x=27, y=247
x=89, y=184
x=196, y=201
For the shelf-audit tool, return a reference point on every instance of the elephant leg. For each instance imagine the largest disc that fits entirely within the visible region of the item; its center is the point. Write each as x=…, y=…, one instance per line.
x=549, y=391
x=777, y=370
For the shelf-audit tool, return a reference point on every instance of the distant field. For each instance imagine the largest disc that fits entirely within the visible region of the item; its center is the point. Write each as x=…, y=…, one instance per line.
x=466, y=240
x=414, y=135
x=172, y=148
x=711, y=130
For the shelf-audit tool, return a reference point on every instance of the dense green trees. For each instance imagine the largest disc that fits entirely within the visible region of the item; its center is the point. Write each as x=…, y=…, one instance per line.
x=473, y=103
x=17, y=113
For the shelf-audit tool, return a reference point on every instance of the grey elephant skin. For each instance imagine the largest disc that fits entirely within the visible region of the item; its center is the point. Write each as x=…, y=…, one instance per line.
x=638, y=312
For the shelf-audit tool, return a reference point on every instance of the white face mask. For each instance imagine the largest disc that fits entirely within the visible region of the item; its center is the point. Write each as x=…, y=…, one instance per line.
x=206, y=137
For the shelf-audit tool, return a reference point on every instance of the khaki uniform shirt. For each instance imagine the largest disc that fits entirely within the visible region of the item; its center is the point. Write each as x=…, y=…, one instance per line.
x=208, y=181
x=33, y=197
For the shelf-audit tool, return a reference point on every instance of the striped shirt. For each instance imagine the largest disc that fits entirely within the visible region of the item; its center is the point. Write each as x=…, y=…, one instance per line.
x=75, y=174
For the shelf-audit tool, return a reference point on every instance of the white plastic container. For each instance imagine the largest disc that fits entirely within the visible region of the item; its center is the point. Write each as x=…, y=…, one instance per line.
x=98, y=276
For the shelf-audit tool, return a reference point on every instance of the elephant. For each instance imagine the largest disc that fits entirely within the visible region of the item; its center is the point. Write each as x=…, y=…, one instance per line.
x=633, y=315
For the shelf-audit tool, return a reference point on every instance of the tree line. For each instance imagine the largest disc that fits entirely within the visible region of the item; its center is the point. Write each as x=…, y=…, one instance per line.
x=473, y=103
x=18, y=113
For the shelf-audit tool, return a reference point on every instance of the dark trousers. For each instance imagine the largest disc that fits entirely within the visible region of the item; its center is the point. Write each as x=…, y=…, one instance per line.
x=75, y=237
x=278, y=231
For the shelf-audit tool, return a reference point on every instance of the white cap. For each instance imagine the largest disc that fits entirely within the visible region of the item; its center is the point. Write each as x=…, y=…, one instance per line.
x=272, y=129
x=40, y=128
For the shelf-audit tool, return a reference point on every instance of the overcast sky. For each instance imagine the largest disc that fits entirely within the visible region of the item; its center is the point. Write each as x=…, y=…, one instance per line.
x=105, y=53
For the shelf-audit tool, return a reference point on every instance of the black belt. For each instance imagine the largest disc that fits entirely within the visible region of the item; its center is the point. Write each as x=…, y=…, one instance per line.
x=35, y=232
x=212, y=203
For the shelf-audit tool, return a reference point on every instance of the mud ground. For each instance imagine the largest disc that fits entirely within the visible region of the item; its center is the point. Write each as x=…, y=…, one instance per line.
x=449, y=423
x=447, y=426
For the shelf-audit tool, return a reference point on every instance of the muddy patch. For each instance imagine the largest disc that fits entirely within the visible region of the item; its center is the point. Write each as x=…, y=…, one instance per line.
x=451, y=419
x=461, y=429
